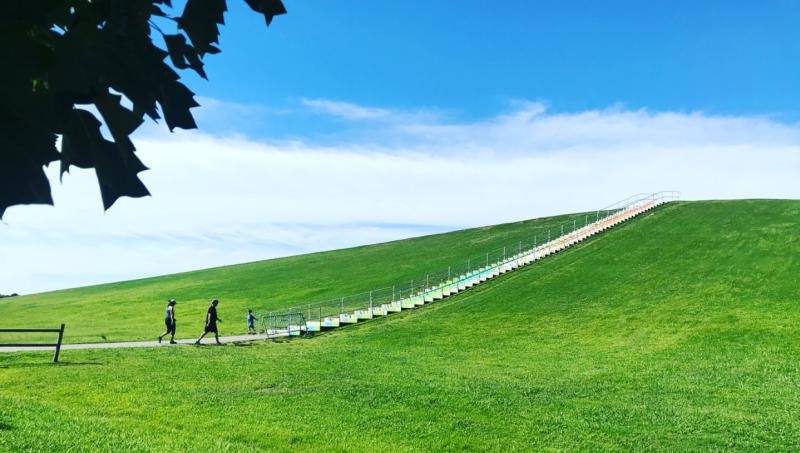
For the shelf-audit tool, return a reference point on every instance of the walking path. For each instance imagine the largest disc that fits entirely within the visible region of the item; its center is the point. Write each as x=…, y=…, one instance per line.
x=144, y=344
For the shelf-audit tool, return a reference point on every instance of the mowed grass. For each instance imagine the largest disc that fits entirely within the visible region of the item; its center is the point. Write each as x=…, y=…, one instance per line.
x=675, y=332
x=134, y=310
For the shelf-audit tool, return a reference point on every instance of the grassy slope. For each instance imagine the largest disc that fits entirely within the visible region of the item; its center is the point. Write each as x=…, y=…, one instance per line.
x=678, y=331
x=134, y=310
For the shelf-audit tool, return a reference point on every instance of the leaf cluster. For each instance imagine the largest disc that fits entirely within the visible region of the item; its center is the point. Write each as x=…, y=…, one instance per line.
x=71, y=66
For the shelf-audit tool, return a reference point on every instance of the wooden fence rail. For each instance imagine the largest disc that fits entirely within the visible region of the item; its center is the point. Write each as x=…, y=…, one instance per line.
x=56, y=345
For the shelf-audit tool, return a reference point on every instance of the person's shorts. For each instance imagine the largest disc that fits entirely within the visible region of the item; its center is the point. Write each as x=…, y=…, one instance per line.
x=251, y=325
x=211, y=328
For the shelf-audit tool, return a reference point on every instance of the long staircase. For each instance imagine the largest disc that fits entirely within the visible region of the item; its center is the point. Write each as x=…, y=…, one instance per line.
x=315, y=317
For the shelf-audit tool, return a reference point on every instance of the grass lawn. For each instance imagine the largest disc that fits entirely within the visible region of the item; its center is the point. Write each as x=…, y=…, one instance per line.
x=677, y=331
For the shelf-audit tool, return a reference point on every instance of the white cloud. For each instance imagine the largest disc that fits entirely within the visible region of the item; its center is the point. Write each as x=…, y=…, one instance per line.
x=220, y=200
x=344, y=110
x=356, y=113
x=531, y=129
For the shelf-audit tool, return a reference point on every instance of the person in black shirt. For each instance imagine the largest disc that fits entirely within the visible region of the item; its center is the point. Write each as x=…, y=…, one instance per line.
x=211, y=322
x=169, y=320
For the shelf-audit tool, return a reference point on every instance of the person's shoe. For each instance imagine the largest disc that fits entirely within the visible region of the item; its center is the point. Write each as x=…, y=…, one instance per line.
x=197, y=342
x=159, y=340
x=173, y=342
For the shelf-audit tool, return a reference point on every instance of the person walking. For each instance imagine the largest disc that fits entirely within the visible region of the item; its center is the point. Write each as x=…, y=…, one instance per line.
x=169, y=320
x=211, y=322
x=251, y=322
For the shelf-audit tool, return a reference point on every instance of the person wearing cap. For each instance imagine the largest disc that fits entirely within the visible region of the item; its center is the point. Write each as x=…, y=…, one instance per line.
x=211, y=322
x=169, y=320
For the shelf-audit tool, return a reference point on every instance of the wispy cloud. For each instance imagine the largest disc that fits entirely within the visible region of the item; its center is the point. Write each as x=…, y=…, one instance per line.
x=388, y=117
x=224, y=199
x=344, y=110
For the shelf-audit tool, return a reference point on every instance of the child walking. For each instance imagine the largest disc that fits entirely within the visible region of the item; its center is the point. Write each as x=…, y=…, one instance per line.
x=251, y=322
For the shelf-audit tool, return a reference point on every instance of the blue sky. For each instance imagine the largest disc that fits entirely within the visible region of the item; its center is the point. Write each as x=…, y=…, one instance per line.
x=347, y=123
x=471, y=58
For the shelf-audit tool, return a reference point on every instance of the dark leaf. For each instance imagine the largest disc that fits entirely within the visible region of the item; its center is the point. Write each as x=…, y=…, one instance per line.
x=118, y=177
x=157, y=11
x=22, y=184
x=269, y=8
x=121, y=122
x=183, y=55
x=176, y=100
x=200, y=20
x=136, y=71
x=81, y=141
x=24, y=152
x=175, y=47
x=84, y=146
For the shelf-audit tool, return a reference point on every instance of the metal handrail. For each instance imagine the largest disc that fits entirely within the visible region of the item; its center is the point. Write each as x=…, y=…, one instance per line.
x=486, y=261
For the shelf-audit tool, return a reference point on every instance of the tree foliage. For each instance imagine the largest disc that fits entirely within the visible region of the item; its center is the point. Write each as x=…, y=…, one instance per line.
x=61, y=56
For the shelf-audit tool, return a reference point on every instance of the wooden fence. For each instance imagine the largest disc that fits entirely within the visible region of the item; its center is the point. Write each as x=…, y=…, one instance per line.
x=56, y=345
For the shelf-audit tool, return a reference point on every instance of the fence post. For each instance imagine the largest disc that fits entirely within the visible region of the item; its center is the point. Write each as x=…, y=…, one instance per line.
x=58, y=343
x=573, y=225
x=370, y=301
x=392, y=293
x=341, y=307
x=448, y=273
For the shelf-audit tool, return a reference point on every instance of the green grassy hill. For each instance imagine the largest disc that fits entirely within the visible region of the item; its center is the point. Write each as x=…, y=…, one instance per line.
x=678, y=331
x=134, y=310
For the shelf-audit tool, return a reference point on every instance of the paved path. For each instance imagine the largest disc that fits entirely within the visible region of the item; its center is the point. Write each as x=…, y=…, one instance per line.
x=145, y=344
